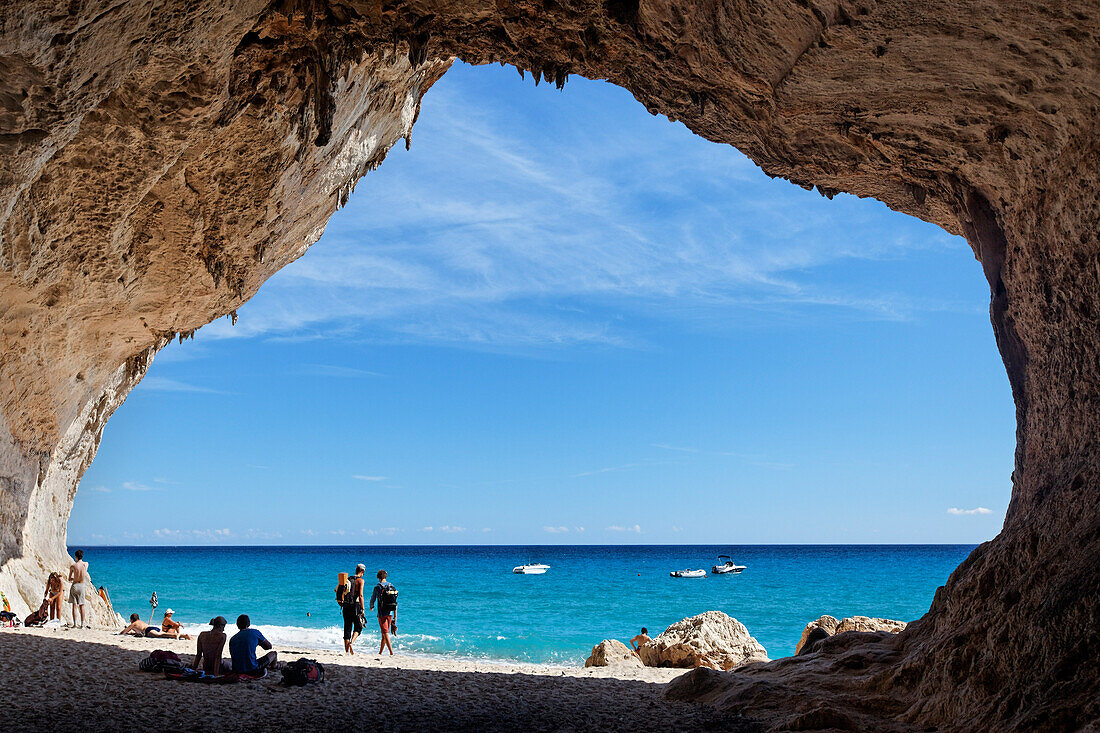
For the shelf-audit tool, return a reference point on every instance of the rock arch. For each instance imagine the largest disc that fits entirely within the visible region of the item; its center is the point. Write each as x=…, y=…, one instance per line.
x=159, y=161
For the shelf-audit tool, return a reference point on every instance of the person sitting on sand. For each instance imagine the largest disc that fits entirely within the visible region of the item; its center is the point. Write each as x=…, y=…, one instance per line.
x=138, y=627
x=78, y=575
x=209, y=648
x=640, y=639
x=385, y=620
x=54, y=592
x=242, y=649
x=172, y=628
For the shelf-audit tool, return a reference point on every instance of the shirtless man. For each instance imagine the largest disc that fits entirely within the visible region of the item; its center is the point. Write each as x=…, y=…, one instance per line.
x=640, y=639
x=138, y=627
x=209, y=648
x=78, y=576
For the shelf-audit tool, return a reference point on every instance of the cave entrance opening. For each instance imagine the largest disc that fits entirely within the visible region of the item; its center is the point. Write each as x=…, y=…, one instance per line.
x=557, y=296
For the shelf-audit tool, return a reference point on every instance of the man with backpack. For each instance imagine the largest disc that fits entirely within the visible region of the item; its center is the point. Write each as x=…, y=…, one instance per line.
x=386, y=596
x=352, y=607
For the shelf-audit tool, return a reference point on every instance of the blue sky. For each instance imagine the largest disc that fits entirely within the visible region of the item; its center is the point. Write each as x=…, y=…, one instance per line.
x=558, y=319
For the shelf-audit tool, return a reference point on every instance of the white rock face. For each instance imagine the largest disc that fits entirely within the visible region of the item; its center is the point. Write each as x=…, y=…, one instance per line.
x=612, y=652
x=711, y=639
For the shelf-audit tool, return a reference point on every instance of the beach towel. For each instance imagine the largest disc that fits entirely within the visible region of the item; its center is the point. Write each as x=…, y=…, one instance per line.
x=233, y=678
x=192, y=675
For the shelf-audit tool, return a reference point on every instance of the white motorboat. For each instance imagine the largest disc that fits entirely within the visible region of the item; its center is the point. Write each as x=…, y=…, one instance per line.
x=729, y=566
x=688, y=573
x=530, y=569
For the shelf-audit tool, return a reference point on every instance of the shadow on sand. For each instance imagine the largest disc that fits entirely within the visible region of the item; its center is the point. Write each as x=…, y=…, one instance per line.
x=58, y=684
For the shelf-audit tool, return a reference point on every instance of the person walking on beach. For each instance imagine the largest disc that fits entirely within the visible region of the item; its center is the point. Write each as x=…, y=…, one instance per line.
x=78, y=575
x=352, y=607
x=208, y=651
x=385, y=613
x=640, y=639
x=242, y=649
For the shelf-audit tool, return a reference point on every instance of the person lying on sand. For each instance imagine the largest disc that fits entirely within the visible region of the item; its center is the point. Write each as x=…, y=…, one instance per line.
x=640, y=639
x=209, y=649
x=173, y=628
x=242, y=648
x=138, y=627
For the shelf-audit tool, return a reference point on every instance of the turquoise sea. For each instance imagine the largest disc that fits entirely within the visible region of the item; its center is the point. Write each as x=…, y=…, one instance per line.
x=466, y=602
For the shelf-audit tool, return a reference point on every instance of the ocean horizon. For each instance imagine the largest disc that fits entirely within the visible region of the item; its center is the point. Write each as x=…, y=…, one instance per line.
x=463, y=601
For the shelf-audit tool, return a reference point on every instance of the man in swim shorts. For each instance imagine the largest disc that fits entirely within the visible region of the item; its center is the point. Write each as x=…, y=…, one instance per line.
x=78, y=575
x=385, y=620
x=352, y=608
x=209, y=648
x=242, y=649
x=640, y=639
x=138, y=627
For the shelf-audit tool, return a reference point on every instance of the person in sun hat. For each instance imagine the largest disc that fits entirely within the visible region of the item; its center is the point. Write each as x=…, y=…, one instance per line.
x=171, y=627
x=209, y=648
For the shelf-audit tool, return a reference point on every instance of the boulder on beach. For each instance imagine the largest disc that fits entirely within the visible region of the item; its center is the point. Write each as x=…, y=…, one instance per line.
x=826, y=626
x=612, y=652
x=814, y=632
x=711, y=639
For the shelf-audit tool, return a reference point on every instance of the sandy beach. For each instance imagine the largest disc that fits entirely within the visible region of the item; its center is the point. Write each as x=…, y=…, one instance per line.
x=86, y=679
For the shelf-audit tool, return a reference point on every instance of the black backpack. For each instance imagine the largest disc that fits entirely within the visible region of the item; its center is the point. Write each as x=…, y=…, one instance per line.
x=345, y=594
x=303, y=672
x=387, y=601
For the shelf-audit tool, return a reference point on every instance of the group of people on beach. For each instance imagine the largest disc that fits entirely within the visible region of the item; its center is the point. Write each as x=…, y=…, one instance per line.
x=50, y=607
x=211, y=644
x=351, y=598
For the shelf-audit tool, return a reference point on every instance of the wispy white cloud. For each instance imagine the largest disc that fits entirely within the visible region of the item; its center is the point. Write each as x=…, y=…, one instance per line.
x=308, y=532
x=138, y=486
x=609, y=469
x=555, y=530
x=331, y=370
x=504, y=247
x=164, y=384
x=678, y=449
x=192, y=534
x=637, y=529
x=361, y=477
x=101, y=489
x=427, y=529
x=976, y=510
x=450, y=529
x=261, y=534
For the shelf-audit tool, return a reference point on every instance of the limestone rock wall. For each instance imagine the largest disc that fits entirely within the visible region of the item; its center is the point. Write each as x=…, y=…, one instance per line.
x=158, y=161
x=157, y=164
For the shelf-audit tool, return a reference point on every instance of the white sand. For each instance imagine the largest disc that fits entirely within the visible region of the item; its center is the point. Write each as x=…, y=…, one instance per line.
x=69, y=679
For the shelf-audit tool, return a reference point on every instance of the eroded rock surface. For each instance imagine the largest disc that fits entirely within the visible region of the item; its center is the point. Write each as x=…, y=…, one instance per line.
x=711, y=639
x=826, y=626
x=612, y=652
x=158, y=161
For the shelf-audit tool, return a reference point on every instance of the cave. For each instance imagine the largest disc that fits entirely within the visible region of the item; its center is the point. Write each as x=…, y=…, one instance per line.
x=158, y=162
